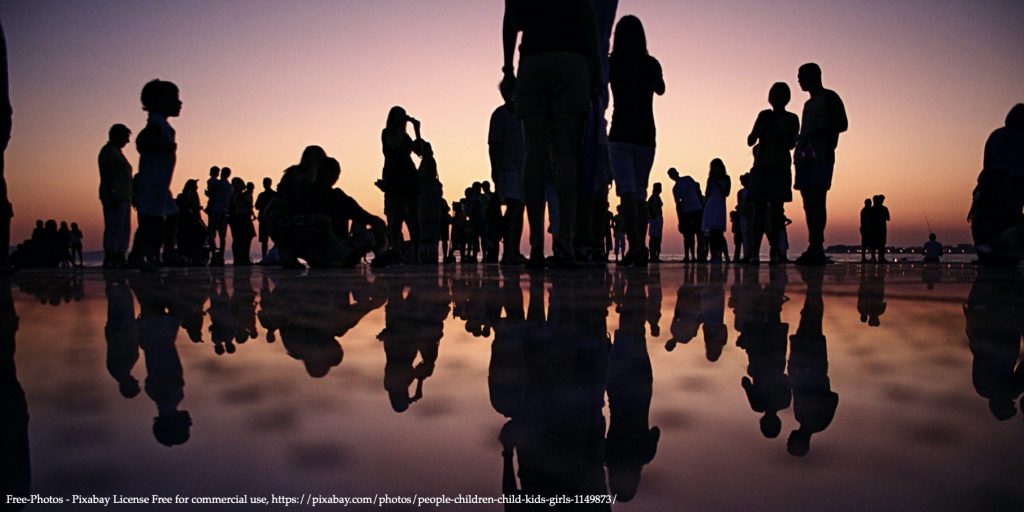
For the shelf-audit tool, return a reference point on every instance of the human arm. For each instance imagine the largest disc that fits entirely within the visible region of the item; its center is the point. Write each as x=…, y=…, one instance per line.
x=659, y=79
x=510, y=29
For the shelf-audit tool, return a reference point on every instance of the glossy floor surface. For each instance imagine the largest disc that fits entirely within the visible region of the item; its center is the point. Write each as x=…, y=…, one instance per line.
x=672, y=388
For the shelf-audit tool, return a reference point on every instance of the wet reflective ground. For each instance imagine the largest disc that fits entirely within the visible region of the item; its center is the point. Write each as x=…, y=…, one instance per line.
x=674, y=388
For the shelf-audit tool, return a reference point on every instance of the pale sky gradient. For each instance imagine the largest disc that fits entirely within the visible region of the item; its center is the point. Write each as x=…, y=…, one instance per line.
x=924, y=83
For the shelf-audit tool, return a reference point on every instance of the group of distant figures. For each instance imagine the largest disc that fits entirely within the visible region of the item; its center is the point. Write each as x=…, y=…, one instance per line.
x=551, y=157
x=50, y=246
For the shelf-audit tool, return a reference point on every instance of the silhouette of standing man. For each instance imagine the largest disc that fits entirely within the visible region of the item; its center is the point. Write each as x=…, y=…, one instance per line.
x=559, y=72
x=824, y=118
x=116, y=196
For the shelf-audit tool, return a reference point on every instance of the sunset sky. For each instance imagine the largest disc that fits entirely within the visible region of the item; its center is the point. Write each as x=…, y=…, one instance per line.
x=924, y=83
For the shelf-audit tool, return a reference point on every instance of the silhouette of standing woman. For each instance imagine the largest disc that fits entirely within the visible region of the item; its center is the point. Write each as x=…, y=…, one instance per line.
x=713, y=222
x=635, y=78
x=559, y=72
x=157, y=155
x=824, y=118
x=399, y=181
x=6, y=112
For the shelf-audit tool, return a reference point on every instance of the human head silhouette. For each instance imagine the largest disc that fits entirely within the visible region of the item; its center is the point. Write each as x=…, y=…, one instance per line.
x=397, y=119
x=267, y=182
x=799, y=443
x=717, y=168
x=630, y=38
x=932, y=237
x=250, y=186
x=129, y=387
x=771, y=425
x=809, y=77
x=1015, y=119
x=161, y=97
x=1002, y=409
x=656, y=189
x=312, y=156
x=225, y=173
x=172, y=429
x=39, y=223
x=673, y=173
x=214, y=171
x=867, y=202
x=237, y=184
x=879, y=199
x=507, y=88
x=191, y=186
x=328, y=173
x=119, y=135
x=779, y=95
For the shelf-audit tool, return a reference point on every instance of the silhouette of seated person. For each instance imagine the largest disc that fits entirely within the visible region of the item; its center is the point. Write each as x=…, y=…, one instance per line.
x=993, y=311
x=413, y=328
x=765, y=340
x=15, y=466
x=632, y=442
x=997, y=212
x=814, y=402
x=932, y=250
x=871, y=296
x=302, y=216
x=688, y=317
x=165, y=380
x=121, y=335
x=557, y=434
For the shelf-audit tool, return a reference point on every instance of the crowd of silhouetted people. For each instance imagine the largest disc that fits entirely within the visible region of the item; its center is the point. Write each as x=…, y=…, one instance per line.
x=51, y=246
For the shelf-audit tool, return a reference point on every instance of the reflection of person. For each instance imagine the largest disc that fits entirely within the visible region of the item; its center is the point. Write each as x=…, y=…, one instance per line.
x=814, y=402
x=413, y=327
x=15, y=467
x=824, y=118
x=993, y=311
x=121, y=335
x=763, y=337
x=165, y=380
x=116, y=196
x=687, y=317
x=631, y=442
x=871, y=296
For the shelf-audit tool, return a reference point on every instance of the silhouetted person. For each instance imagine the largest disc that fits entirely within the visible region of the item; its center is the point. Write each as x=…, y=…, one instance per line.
x=655, y=222
x=15, y=466
x=932, y=249
x=879, y=220
x=432, y=206
x=687, y=198
x=6, y=113
x=559, y=73
x=814, y=402
x=635, y=77
x=764, y=337
x=398, y=181
x=76, y=245
x=262, y=201
x=773, y=137
x=619, y=232
x=824, y=118
x=192, y=234
x=309, y=217
x=632, y=442
x=121, y=335
x=866, y=233
x=240, y=216
x=997, y=222
x=507, y=154
x=218, y=210
x=64, y=248
x=993, y=312
x=871, y=296
x=157, y=155
x=116, y=196
x=165, y=381
x=713, y=219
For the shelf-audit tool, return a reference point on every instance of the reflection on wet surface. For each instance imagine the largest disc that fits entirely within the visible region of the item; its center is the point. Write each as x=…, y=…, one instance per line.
x=680, y=388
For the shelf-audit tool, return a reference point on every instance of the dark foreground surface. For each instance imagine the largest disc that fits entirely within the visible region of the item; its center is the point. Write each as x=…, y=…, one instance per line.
x=846, y=388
